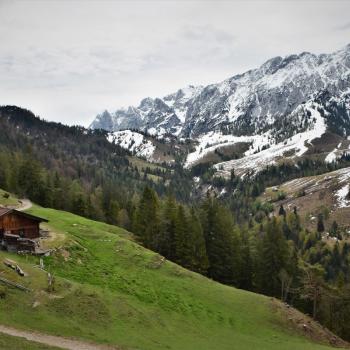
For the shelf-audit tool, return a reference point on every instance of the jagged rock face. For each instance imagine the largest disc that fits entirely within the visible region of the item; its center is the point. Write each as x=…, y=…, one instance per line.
x=245, y=104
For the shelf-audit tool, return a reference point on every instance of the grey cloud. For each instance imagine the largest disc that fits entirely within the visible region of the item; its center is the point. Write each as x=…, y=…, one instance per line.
x=117, y=52
x=204, y=33
x=344, y=26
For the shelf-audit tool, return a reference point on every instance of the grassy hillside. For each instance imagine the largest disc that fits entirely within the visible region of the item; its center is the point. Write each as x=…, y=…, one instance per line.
x=8, y=200
x=111, y=290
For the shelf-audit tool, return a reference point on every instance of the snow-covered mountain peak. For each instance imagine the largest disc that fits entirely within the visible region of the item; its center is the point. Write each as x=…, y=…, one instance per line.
x=246, y=104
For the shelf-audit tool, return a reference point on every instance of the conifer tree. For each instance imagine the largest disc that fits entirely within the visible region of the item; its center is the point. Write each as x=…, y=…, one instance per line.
x=320, y=224
x=274, y=255
x=334, y=230
x=281, y=211
x=79, y=204
x=294, y=226
x=58, y=201
x=30, y=179
x=223, y=253
x=183, y=240
x=200, y=261
x=246, y=270
x=166, y=240
x=4, y=171
x=146, y=224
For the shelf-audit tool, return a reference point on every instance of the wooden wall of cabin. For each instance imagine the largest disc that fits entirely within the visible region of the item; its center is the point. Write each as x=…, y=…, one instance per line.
x=17, y=224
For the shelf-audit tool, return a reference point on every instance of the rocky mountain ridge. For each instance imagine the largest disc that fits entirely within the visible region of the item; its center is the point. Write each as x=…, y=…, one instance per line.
x=245, y=104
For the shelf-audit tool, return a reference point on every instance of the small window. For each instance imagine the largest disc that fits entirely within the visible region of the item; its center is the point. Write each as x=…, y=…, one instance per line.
x=21, y=233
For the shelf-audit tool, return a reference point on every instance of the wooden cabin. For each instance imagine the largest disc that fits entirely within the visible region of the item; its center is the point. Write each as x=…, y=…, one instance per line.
x=19, y=231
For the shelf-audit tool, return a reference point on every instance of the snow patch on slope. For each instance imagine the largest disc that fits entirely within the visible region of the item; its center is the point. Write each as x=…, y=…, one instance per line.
x=258, y=160
x=332, y=156
x=209, y=142
x=341, y=195
x=134, y=142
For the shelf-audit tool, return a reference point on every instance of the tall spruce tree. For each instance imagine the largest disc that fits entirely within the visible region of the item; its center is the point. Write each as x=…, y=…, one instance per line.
x=146, y=224
x=166, y=239
x=183, y=240
x=222, y=250
x=199, y=261
x=246, y=270
x=320, y=224
x=274, y=256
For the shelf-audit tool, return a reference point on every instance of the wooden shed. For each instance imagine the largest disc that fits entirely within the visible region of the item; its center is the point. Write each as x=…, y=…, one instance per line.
x=19, y=230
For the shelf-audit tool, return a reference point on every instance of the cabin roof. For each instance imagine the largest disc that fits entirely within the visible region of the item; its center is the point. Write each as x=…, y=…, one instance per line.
x=6, y=211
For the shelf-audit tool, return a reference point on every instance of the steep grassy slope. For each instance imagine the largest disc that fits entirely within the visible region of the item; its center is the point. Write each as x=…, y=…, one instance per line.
x=110, y=290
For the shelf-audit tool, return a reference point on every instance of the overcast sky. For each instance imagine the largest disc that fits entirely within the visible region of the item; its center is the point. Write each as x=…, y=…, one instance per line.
x=69, y=60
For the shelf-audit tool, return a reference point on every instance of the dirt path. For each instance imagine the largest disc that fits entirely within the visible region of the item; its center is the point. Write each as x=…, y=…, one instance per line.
x=51, y=340
x=24, y=204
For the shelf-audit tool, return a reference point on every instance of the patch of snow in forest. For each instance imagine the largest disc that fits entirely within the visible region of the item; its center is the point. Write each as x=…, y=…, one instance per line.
x=134, y=142
x=331, y=156
x=341, y=195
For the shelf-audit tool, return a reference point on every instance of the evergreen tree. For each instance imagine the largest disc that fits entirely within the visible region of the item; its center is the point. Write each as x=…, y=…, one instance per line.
x=146, y=224
x=246, y=270
x=112, y=211
x=166, y=240
x=281, y=211
x=183, y=240
x=223, y=253
x=334, y=230
x=274, y=255
x=320, y=224
x=79, y=204
x=30, y=180
x=58, y=197
x=4, y=171
x=294, y=226
x=200, y=261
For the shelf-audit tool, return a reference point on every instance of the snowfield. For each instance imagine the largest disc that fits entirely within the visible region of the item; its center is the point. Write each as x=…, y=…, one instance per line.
x=332, y=156
x=255, y=159
x=134, y=142
x=341, y=195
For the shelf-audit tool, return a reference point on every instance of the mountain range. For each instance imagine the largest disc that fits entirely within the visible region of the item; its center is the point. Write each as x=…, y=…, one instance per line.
x=245, y=104
x=276, y=110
